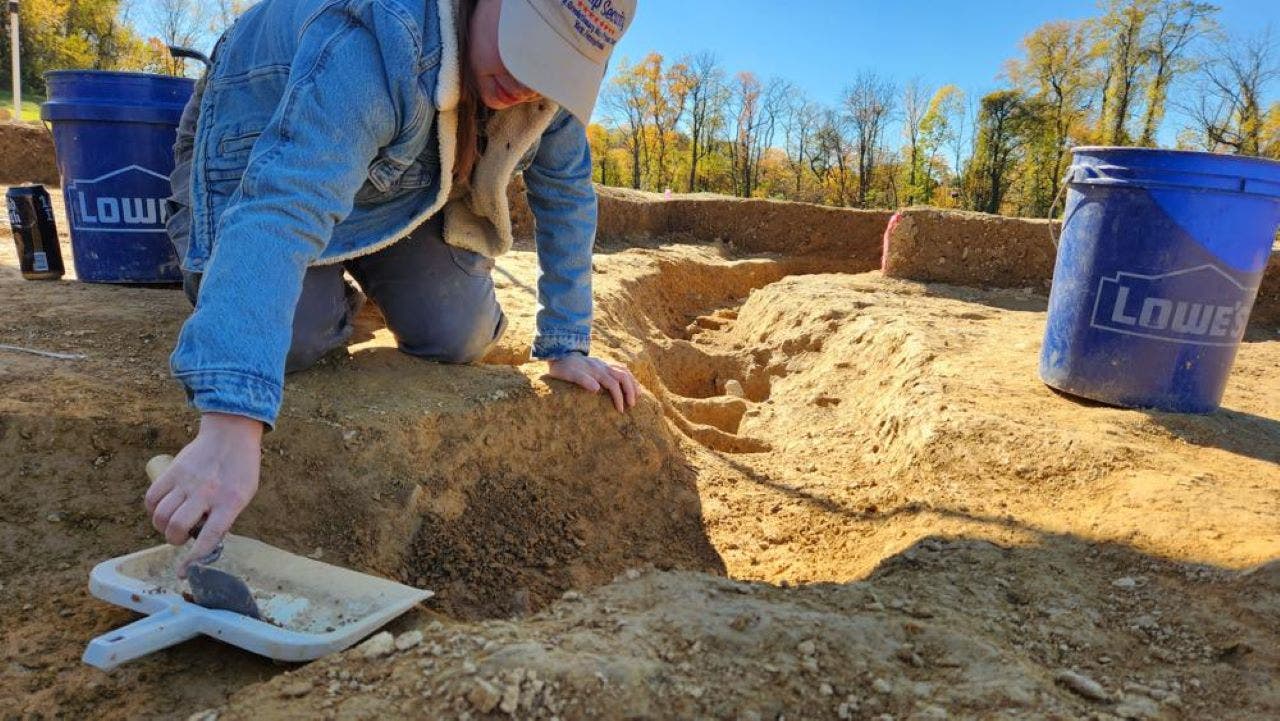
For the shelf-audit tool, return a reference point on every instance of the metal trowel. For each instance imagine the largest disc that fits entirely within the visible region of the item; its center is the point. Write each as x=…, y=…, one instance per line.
x=211, y=587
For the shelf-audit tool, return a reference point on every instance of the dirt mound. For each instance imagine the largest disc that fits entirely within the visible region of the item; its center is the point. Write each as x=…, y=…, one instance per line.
x=747, y=225
x=980, y=644
x=963, y=248
x=26, y=155
x=1266, y=307
x=866, y=406
x=992, y=251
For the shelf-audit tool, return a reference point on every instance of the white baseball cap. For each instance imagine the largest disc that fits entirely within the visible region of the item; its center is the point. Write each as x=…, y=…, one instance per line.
x=559, y=48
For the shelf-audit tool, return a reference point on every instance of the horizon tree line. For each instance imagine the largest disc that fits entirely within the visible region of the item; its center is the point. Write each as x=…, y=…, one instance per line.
x=690, y=126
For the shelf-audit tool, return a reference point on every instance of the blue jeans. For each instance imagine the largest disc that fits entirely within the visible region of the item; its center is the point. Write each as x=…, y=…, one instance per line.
x=438, y=300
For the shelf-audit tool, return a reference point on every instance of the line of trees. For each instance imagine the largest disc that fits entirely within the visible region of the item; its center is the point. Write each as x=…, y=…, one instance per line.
x=691, y=126
x=106, y=35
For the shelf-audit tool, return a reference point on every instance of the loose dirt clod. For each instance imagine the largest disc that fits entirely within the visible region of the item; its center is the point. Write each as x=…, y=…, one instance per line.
x=1082, y=685
x=484, y=696
x=296, y=689
x=408, y=640
x=380, y=644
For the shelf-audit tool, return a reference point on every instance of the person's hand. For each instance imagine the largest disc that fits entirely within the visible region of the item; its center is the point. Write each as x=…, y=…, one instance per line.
x=594, y=375
x=211, y=481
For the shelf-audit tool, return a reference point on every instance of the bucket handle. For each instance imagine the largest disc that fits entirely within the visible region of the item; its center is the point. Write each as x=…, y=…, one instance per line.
x=1062, y=191
x=178, y=51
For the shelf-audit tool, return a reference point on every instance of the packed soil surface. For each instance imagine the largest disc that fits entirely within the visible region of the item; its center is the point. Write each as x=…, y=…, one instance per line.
x=841, y=496
x=26, y=154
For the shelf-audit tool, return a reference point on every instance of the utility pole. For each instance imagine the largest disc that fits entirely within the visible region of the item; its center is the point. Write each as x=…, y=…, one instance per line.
x=17, y=71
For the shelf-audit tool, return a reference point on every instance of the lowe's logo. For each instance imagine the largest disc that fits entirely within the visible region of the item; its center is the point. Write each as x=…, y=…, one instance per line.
x=128, y=200
x=1197, y=305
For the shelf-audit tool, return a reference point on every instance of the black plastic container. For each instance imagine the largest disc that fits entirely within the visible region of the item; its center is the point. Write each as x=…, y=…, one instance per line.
x=34, y=232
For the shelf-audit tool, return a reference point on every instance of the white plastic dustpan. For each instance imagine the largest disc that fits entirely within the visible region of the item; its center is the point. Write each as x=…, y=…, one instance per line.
x=309, y=608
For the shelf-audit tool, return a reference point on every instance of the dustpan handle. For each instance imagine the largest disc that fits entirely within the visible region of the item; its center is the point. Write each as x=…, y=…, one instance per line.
x=144, y=636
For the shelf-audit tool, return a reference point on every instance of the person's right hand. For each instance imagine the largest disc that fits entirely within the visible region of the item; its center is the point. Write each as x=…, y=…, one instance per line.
x=211, y=481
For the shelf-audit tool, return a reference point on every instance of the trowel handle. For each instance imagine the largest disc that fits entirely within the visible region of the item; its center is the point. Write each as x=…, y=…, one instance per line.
x=158, y=465
x=156, y=468
x=144, y=636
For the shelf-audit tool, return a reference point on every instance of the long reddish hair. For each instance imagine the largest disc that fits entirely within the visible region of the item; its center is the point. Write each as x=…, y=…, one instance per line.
x=468, y=139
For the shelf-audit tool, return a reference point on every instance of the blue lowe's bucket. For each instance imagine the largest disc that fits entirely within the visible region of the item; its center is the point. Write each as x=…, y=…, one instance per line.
x=1160, y=259
x=114, y=134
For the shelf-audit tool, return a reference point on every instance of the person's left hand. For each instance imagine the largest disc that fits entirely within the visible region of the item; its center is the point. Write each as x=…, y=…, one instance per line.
x=594, y=375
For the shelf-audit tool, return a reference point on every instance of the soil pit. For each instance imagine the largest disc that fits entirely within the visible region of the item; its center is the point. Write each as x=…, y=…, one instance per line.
x=842, y=496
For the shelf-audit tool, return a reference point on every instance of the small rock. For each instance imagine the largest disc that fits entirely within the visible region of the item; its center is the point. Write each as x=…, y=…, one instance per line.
x=826, y=690
x=408, y=640
x=295, y=689
x=483, y=696
x=1146, y=622
x=571, y=596
x=510, y=698
x=807, y=648
x=931, y=713
x=380, y=645
x=734, y=388
x=55, y=517
x=1137, y=707
x=881, y=686
x=907, y=655
x=1081, y=685
x=1234, y=651
x=205, y=715
x=633, y=574
x=1127, y=583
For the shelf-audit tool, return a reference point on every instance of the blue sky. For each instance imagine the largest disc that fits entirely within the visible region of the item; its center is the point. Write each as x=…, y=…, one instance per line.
x=821, y=44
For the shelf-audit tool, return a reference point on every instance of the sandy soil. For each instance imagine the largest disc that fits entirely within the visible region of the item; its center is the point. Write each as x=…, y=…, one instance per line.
x=843, y=496
x=26, y=154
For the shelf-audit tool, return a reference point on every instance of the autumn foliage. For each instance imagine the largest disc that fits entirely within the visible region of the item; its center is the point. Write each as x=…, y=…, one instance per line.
x=1140, y=72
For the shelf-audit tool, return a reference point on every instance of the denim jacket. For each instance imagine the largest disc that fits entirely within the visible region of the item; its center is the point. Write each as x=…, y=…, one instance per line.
x=322, y=126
